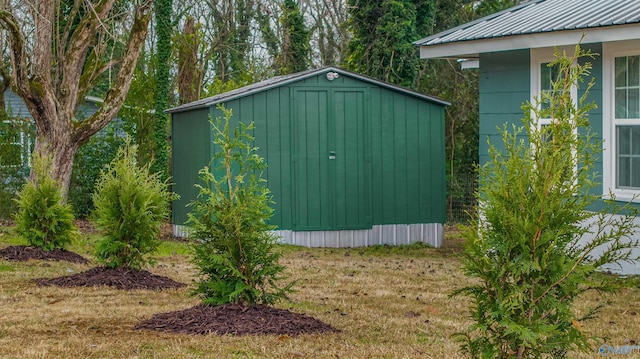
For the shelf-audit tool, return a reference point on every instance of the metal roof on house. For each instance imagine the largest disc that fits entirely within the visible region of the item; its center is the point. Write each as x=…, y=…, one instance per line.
x=286, y=79
x=539, y=17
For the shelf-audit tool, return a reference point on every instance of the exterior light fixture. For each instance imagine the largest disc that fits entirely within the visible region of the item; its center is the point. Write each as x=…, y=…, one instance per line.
x=332, y=76
x=469, y=63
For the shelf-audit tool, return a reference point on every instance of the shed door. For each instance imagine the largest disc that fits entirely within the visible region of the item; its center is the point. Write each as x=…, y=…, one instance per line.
x=331, y=186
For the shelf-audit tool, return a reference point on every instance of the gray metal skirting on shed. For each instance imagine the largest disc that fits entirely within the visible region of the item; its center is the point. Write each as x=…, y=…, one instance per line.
x=392, y=234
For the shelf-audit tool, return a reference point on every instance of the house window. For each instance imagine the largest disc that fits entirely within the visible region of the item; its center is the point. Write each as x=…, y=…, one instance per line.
x=542, y=77
x=621, y=119
x=548, y=74
x=627, y=121
x=628, y=156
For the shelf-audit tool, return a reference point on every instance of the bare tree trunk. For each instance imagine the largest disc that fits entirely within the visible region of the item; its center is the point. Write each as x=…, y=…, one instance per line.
x=53, y=84
x=5, y=81
x=61, y=149
x=188, y=72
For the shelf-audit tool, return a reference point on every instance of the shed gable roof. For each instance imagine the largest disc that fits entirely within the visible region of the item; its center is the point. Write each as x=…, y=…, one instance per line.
x=597, y=19
x=287, y=79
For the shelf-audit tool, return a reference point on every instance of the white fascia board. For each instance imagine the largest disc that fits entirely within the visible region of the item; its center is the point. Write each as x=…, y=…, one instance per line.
x=471, y=49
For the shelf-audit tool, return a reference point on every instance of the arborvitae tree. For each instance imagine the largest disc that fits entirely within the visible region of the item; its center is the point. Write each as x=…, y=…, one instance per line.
x=535, y=246
x=44, y=219
x=234, y=246
x=130, y=205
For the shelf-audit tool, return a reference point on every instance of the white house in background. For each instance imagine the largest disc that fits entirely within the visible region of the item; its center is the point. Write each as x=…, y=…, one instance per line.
x=511, y=49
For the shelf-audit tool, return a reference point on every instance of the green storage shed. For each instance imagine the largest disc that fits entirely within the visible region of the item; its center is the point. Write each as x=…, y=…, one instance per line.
x=352, y=161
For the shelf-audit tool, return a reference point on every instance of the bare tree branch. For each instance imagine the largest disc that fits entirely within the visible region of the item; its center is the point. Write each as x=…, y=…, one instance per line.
x=73, y=58
x=116, y=95
x=18, y=54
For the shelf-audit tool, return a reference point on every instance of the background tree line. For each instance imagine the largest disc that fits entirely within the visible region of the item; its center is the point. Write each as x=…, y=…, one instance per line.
x=197, y=49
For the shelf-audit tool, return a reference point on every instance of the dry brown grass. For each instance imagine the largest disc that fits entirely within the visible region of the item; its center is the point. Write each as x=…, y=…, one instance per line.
x=388, y=303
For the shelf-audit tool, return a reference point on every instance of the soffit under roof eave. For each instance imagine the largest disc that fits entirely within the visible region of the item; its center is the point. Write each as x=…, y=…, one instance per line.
x=471, y=48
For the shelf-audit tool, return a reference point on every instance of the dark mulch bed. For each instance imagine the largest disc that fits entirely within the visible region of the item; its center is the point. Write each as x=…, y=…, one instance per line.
x=236, y=320
x=25, y=253
x=120, y=278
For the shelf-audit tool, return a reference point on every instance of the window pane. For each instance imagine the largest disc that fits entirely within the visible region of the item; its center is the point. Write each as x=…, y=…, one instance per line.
x=545, y=76
x=621, y=103
x=635, y=172
x=624, y=171
x=633, y=70
x=627, y=106
x=628, y=156
x=624, y=140
x=635, y=140
x=621, y=71
x=633, y=103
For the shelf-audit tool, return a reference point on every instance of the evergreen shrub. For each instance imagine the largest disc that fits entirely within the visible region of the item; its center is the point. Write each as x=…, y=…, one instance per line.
x=537, y=243
x=44, y=219
x=233, y=244
x=130, y=205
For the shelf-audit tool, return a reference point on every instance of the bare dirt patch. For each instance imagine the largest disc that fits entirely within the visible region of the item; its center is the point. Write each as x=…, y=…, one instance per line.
x=25, y=253
x=236, y=320
x=119, y=278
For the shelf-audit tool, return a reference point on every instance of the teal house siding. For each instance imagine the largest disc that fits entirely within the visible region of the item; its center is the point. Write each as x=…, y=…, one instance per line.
x=504, y=86
x=351, y=161
x=595, y=95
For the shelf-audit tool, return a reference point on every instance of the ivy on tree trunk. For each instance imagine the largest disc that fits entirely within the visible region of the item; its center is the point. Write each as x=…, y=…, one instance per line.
x=383, y=31
x=163, y=85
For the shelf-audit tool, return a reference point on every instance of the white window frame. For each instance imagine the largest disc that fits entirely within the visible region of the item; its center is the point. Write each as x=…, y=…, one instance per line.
x=610, y=51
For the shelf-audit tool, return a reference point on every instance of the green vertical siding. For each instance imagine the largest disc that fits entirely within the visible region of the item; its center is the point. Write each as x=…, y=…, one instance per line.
x=311, y=188
x=190, y=134
x=389, y=166
x=348, y=172
x=408, y=159
x=270, y=113
x=433, y=162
